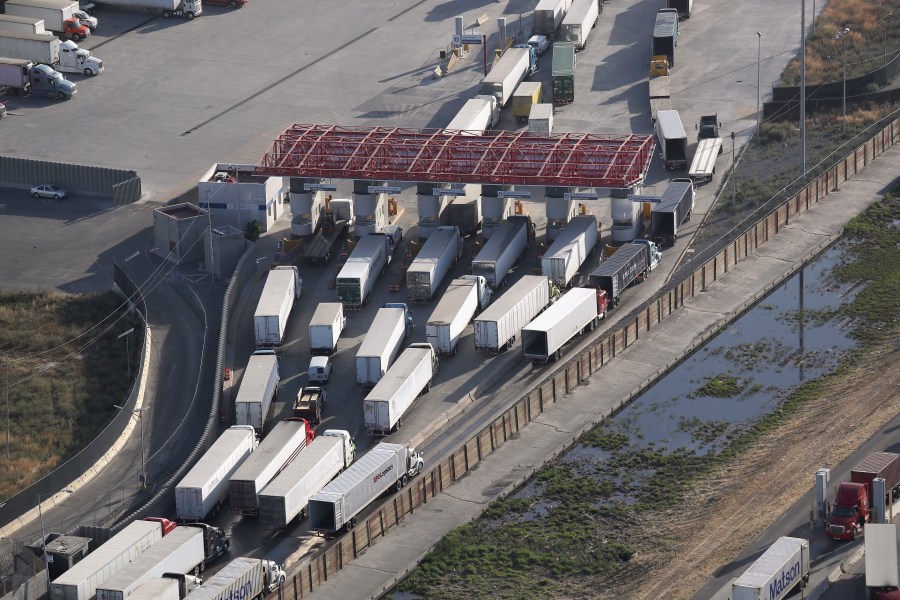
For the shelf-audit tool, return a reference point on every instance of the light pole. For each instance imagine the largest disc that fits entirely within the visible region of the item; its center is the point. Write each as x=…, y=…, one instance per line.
x=758, y=56
x=125, y=334
x=884, y=38
x=803, y=83
x=140, y=418
x=842, y=36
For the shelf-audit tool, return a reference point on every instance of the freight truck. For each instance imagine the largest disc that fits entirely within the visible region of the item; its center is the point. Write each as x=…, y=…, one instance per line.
x=464, y=213
x=171, y=586
x=287, y=496
x=381, y=345
x=497, y=327
x=576, y=312
x=673, y=209
x=58, y=16
x=881, y=561
x=384, y=466
x=561, y=261
x=579, y=22
x=407, y=379
x=24, y=77
x=513, y=68
x=81, y=581
x=180, y=551
x=241, y=579
x=540, y=120
x=435, y=259
x=462, y=299
x=672, y=139
x=503, y=249
x=274, y=453
x=665, y=35
x=563, y=75
x=526, y=95
x=630, y=263
x=660, y=95
x=783, y=567
x=476, y=115
x=683, y=7
x=854, y=500
x=309, y=404
x=46, y=49
x=187, y=9
x=357, y=277
x=205, y=487
x=549, y=15
x=283, y=286
x=23, y=25
x=258, y=389
x=325, y=328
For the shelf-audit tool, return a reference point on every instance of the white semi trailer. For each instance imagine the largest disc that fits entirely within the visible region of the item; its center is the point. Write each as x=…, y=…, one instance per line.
x=258, y=388
x=497, y=327
x=381, y=345
x=462, y=299
x=574, y=313
x=242, y=578
x=283, y=286
x=561, y=261
x=407, y=379
x=780, y=569
x=435, y=259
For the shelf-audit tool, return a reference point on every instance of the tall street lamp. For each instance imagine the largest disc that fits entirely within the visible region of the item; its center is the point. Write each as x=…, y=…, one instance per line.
x=758, y=56
x=140, y=417
x=842, y=36
x=125, y=335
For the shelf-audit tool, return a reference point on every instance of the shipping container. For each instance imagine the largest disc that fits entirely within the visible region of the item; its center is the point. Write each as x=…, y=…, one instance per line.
x=505, y=247
x=783, y=566
x=283, y=286
x=581, y=18
x=452, y=315
x=366, y=263
x=561, y=261
x=563, y=73
x=498, y=326
x=258, y=388
x=549, y=15
x=574, y=313
x=381, y=345
x=435, y=259
x=408, y=378
x=325, y=328
x=527, y=94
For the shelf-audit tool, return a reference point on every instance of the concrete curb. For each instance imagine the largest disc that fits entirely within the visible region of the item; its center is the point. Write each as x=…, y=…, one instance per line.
x=837, y=573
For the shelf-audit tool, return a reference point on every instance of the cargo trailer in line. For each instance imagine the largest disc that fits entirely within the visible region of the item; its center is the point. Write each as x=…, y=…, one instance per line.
x=561, y=261
x=381, y=345
x=497, y=327
x=384, y=466
x=283, y=286
x=477, y=115
x=630, y=262
x=435, y=259
x=540, y=119
x=258, y=388
x=574, y=313
x=205, y=487
x=464, y=213
x=408, y=378
x=171, y=586
x=672, y=139
x=325, y=328
x=527, y=94
x=287, y=496
x=881, y=559
x=503, y=250
x=780, y=569
x=665, y=35
x=168, y=8
x=563, y=73
x=673, y=209
x=451, y=316
x=23, y=25
x=367, y=261
x=241, y=579
x=549, y=15
x=580, y=20
x=275, y=452
x=513, y=68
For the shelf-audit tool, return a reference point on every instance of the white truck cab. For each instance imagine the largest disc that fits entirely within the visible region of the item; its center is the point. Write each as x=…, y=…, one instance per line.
x=485, y=293
x=495, y=108
x=274, y=574
x=73, y=59
x=655, y=256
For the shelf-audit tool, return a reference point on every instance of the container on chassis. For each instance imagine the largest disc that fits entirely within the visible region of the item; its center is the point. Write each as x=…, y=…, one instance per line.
x=620, y=270
x=408, y=378
x=671, y=211
x=497, y=327
x=665, y=35
x=464, y=214
x=435, y=259
x=381, y=345
x=180, y=551
x=325, y=328
x=703, y=166
x=540, y=120
x=81, y=581
x=549, y=15
x=781, y=568
x=563, y=75
x=357, y=277
x=168, y=8
x=283, y=286
x=574, y=313
x=511, y=70
x=570, y=249
x=242, y=578
x=452, y=315
x=503, y=249
x=287, y=496
x=276, y=451
x=30, y=25
x=258, y=388
x=336, y=506
x=527, y=94
x=581, y=18
x=205, y=487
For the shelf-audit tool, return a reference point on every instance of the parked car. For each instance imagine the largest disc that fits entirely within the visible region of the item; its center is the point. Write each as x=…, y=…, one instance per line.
x=539, y=43
x=48, y=191
x=319, y=368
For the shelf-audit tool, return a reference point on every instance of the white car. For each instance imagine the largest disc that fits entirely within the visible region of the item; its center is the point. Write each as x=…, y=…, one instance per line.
x=539, y=43
x=319, y=369
x=48, y=191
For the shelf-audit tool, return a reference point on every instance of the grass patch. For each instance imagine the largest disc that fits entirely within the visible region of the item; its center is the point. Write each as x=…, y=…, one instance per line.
x=60, y=395
x=720, y=386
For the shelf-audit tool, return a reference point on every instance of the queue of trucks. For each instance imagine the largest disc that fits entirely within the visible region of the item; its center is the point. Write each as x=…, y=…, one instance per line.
x=39, y=48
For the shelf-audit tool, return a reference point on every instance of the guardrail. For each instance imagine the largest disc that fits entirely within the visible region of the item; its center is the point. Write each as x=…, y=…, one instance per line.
x=313, y=572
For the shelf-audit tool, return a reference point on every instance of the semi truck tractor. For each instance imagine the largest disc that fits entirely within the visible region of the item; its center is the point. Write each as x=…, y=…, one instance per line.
x=46, y=49
x=24, y=77
x=407, y=379
x=854, y=499
x=57, y=15
x=282, y=288
x=463, y=298
x=435, y=259
x=385, y=466
x=576, y=312
x=579, y=22
x=572, y=246
x=381, y=345
x=273, y=454
x=503, y=250
x=187, y=9
x=242, y=578
x=630, y=263
x=367, y=261
x=549, y=15
x=513, y=68
x=497, y=327
x=205, y=487
x=287, y=496
x=325, y=328
x=783, y=567
x=258, y=389
x=673, y=209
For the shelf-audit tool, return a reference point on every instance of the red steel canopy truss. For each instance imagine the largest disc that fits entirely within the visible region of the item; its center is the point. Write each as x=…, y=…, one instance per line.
x=438, y=155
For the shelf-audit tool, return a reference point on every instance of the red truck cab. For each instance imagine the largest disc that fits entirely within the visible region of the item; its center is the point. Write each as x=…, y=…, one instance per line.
x=166, y=524
x=602, y=299
x=852, y=508
x=75, y=29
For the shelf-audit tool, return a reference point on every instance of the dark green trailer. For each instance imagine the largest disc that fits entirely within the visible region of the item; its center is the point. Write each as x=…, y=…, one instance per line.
x=563, y=73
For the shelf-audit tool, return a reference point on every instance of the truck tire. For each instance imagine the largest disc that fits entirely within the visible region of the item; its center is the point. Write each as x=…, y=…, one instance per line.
x=89, y=72
x=60, y=95
x=190, y=16
x=167, y=14
x=232, y=5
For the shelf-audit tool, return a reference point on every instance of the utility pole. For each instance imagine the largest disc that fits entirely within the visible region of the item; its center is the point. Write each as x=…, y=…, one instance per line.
x=803, y=85
x=758, y=58
x=842, y=36
x=6, y=366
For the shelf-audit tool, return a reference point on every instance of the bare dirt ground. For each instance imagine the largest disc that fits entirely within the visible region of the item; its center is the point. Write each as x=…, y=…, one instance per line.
x=740, y=501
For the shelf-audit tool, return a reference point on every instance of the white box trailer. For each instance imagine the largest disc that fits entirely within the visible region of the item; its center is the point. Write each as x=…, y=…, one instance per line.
x=205, y=487
x=30, y=25
x=881, y=557
x=366, y=262
x=54, y=13
x=511, y=70
x=774, y=574
x=287, y=496
x=435, y=259
x=283, y=286
x=242, y=578
x=569, y=250
x=258, y=388
x=574, y=313
x=503, y=249
x=158, y=588
x=180, y=551
x=325, y=328
x=273, y=454
x=408, y=378
x=381, y=345
x=385, y=465
x=549, y=15
x=452, y=315
x=579, y=21
x=81, y=581
x=178, y=8
x=540, y=119
x=476, y=115
x=497, y=327
x=39, y=48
